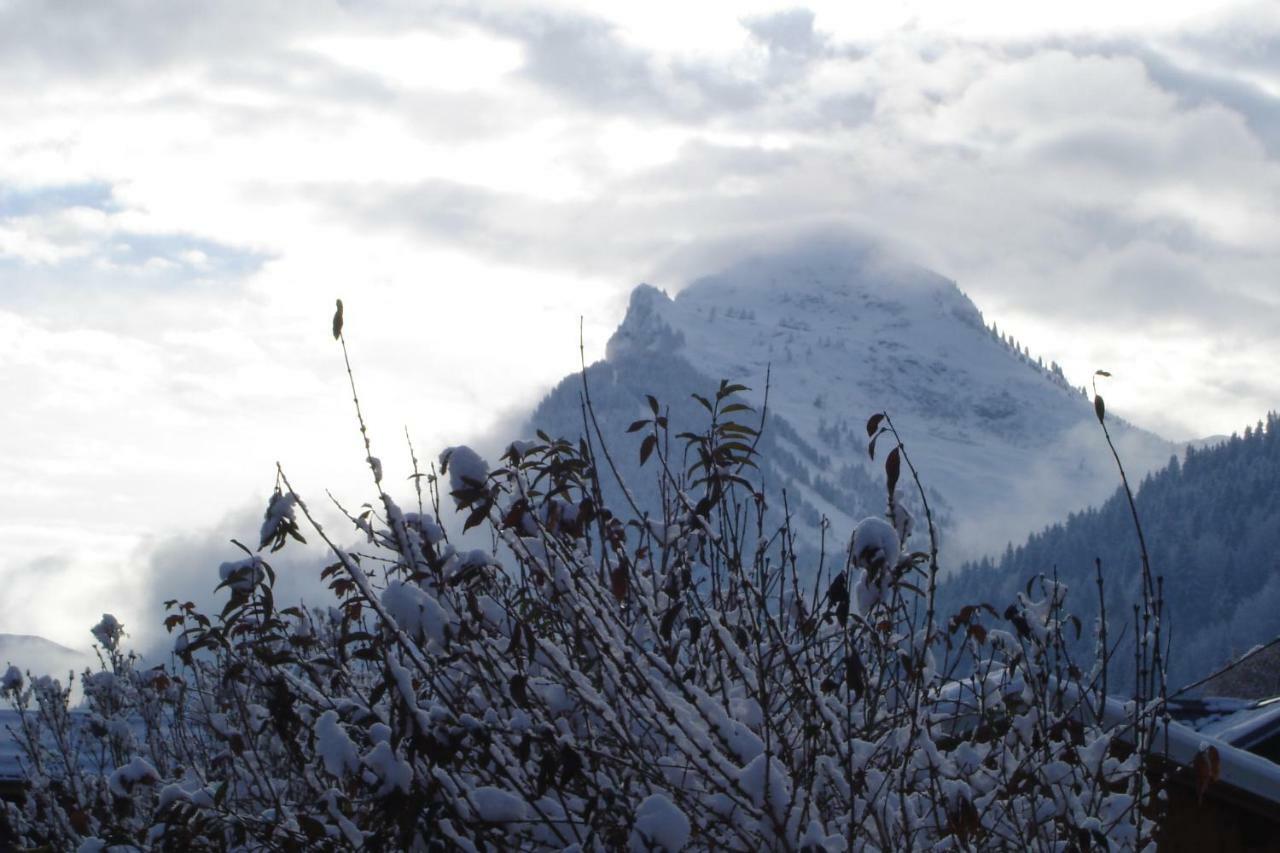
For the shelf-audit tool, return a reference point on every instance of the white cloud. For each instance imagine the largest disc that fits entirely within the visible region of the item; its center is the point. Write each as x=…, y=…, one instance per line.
x=185, y=189
x=457, y=61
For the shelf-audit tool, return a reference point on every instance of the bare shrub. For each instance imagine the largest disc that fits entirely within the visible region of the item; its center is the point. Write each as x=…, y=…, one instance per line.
x=599, y=679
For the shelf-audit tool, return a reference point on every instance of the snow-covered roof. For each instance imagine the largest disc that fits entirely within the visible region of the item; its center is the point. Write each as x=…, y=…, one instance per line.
x=1238, y=768
x=1230, y=733
x=1240, y=722
x=1230, y=726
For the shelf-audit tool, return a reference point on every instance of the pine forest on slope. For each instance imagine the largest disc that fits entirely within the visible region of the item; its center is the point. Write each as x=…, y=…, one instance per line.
x=1210, y=523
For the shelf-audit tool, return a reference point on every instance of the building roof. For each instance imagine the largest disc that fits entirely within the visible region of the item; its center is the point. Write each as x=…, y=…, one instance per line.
x=1251, y=725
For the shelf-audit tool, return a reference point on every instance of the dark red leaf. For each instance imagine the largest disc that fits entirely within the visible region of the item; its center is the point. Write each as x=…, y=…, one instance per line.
x=570, y=764
x=892, y=468
x=519, y=690
x=669, y=619
x=854, y=673
x=646, y=447
x=618, y=582
x=1208, y=766
x=546, y=771
x=477, y=515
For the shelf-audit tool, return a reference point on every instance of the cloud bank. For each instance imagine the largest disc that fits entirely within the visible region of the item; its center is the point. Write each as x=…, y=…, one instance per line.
x=185, y=188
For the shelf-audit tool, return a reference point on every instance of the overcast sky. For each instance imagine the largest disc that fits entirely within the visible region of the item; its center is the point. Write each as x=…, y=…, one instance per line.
x=185, y=188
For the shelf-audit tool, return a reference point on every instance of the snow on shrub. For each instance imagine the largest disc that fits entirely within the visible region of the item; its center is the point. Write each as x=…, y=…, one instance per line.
x=334, y=747
x=107, y=632
x=465, y=468
x=659, y=824
x=601, y=680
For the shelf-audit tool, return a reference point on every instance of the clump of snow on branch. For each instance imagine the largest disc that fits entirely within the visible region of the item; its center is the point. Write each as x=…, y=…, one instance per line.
x=464, y=466
x=108, y=632
x=242, y=575
x=659, y=823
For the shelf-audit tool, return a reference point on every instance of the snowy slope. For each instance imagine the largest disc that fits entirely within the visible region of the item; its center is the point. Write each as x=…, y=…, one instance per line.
x=41, y=656
x=1007, y=445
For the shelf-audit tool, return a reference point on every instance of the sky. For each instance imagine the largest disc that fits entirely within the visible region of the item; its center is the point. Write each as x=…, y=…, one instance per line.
x=185, y=188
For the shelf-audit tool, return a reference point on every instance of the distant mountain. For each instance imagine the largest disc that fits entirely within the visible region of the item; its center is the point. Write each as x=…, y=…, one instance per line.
x=41, y=656
x=1004, y=443
x=1212, y=524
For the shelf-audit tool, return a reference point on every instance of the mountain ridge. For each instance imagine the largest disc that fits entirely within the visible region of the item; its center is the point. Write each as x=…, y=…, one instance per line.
x=39, y=655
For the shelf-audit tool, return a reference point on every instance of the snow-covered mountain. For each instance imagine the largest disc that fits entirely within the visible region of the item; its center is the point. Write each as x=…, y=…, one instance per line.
x=1004, y=444
x=40, y=656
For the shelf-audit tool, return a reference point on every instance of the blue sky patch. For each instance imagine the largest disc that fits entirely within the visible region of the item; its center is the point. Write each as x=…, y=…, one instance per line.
x=16, y=202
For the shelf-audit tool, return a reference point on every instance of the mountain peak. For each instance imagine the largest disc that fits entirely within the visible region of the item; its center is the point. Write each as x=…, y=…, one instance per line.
x=844, y=329
x=645, y=328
